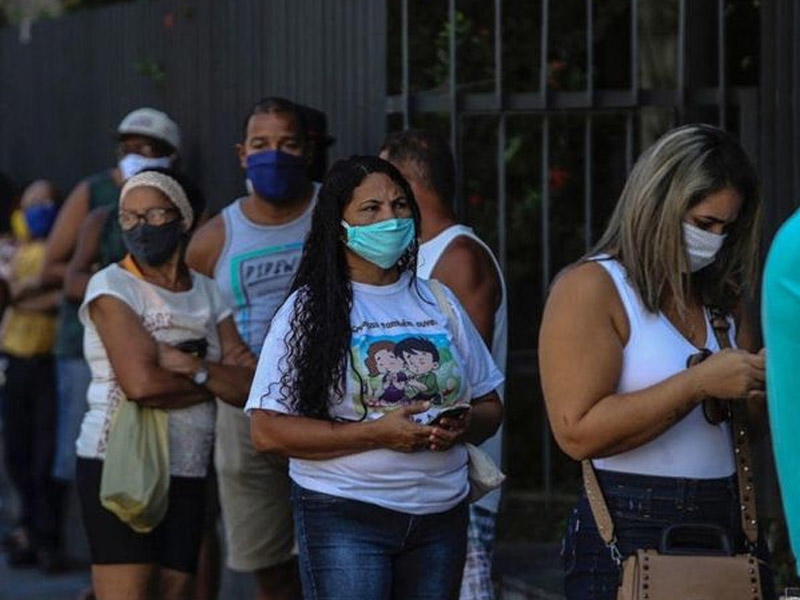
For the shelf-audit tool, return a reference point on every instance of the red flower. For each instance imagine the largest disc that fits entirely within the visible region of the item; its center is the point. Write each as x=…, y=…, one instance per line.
x=556, y=69
x=169, y=20
x=557, y=178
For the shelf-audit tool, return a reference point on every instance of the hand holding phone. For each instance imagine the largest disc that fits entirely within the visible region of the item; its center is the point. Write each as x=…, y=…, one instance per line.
x=452, y=412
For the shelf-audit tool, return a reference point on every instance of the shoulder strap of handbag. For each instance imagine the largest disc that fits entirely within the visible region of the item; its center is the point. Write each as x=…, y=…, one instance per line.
x=740, y=431
x=744, y=468
x=441, y=300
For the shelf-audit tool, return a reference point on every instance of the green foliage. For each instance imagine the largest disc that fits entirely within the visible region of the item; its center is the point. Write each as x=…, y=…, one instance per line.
x=473, y=47
x=152, y=69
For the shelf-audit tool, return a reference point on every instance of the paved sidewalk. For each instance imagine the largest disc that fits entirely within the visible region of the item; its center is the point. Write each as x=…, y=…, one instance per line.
x=31, y=584
x=528, y=572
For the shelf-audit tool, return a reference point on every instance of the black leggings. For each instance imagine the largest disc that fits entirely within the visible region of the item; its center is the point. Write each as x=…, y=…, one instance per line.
x=174, y=543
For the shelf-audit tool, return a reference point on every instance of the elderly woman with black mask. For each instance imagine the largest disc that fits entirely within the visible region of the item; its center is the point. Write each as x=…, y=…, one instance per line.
x=160, y=335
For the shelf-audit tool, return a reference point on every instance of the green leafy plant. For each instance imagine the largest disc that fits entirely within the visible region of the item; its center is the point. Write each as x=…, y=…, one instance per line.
x=151, y=68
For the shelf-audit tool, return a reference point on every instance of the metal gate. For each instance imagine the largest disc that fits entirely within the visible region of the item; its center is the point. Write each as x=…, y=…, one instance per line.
x=566, y=95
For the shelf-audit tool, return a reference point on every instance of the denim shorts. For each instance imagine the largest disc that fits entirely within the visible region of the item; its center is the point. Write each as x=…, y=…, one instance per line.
x=642, y=507
x=351, y=549
x=72, y=379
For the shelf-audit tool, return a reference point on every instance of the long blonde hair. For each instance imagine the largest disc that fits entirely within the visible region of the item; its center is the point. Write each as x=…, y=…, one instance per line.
x=677, y=172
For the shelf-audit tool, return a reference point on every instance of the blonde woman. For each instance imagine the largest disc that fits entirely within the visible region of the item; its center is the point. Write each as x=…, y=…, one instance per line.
x=616, y=337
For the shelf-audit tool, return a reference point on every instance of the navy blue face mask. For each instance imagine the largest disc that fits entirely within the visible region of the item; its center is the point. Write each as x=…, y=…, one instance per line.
x=277, y=176
x=153, y=244
x=40, y=218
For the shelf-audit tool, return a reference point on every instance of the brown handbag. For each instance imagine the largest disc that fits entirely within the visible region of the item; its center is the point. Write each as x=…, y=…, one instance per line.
x=669, y=574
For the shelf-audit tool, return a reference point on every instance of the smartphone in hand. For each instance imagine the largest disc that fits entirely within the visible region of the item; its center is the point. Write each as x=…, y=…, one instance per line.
x=197, y=347
x=452, y=412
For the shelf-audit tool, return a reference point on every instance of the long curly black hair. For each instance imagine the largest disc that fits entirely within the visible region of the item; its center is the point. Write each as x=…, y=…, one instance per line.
x=320, y=331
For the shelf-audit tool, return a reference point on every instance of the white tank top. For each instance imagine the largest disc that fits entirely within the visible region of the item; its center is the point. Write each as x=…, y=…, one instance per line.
x=656, y=350
x=428, y=256
x=256, y=267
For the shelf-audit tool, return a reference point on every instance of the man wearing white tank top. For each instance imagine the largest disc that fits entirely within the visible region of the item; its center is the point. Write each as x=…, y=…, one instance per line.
x=454, y=255
x=252, y=250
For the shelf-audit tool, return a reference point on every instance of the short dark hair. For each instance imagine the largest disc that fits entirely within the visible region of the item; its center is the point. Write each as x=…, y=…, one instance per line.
x=431, y=155
x=416, y=345
x=276, y=104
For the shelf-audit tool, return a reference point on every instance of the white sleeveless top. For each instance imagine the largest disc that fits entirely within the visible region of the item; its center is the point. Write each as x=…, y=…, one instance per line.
x=656, y=350
x=428, y=256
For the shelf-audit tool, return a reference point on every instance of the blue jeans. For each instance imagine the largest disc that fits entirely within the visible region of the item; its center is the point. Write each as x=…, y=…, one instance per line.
x=72, y=380
x=351, y=549
x=642, y=507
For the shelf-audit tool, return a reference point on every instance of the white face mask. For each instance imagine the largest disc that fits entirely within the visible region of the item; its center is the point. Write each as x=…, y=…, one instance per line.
x=701, y=246
x=131, y=164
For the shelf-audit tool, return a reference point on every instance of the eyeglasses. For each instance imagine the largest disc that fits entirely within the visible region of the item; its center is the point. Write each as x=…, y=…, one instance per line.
x=152, y=216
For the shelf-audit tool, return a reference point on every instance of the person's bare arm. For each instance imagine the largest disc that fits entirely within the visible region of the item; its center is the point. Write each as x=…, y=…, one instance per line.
x=205, y=247
x=230, y=378
x=31, y=293
x=44, y=301
x=133, y=354
x=81, y=266
x=581, y=342
x=316, y=439
x=469, y=272
x=64, y=234
x=748, y=339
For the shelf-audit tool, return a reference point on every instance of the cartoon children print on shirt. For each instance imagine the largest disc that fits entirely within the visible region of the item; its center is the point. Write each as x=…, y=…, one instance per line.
x=382, y=360
x=421, y=359
x=405, y=369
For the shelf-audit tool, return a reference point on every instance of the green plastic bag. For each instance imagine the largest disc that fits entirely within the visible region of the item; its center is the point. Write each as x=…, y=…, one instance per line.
x=135, y=480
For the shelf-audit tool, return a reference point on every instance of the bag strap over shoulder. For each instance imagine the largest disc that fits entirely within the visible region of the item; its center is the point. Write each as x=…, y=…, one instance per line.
x=740, y=431
x=441, y=300
x=742, y=456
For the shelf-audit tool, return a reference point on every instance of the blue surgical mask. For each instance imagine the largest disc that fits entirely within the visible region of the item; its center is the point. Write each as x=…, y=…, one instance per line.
x=39, y=219
x=381, y=243
x=277, y=176
x=131, y=164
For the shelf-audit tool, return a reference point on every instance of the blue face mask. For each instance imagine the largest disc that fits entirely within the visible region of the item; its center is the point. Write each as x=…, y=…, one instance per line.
x=277, y=176
x=381, y=243
x=40, y=219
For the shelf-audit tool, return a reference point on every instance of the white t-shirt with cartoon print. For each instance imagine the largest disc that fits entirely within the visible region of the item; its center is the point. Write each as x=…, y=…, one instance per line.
x=402, y=351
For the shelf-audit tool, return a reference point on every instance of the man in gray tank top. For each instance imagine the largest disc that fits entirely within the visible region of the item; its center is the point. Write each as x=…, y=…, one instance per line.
x=252, y=249
x=454, y=255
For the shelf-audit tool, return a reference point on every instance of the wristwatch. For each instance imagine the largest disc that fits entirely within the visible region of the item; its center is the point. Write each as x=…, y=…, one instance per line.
x=200, y=376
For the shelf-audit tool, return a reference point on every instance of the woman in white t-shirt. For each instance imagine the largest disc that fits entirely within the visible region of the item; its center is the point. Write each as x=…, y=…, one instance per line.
x=160, y=335
x=356, y=365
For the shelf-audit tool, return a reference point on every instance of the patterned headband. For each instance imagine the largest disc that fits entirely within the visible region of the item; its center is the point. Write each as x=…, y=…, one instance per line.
x=168, y=186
